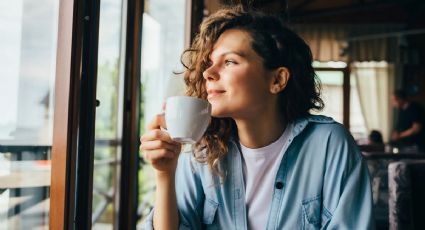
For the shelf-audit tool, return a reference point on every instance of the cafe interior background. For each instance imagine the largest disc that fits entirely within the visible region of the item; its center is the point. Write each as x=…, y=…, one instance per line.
x=80, y=79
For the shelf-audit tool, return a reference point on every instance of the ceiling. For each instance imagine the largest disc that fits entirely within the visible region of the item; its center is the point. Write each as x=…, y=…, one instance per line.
x=407, y=12
x=356, y=11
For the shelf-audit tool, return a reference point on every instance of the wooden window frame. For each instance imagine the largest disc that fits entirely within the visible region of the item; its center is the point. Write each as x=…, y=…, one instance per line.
x=74, y=112
x=73, y=130
x=65, y=123
x=128, y=203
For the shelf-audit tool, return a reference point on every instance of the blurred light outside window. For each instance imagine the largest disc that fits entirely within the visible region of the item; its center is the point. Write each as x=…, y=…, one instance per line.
x=108, y=124
x=332, y=95
x=27, y=75
x=330, y=64
x=27, y=68
x=357, y=121
x=374, y=82
x=162, y=45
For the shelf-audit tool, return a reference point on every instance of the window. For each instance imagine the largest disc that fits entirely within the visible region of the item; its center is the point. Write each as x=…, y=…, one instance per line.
x=331, y=75
x=27, y=73
x=332, y=93
x=108, y=124
x=374, y=84
x=163, y=37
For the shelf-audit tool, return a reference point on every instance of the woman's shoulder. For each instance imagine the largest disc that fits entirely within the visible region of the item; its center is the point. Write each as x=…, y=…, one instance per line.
x=320, y=124
x=320, y=119
x=322, y=131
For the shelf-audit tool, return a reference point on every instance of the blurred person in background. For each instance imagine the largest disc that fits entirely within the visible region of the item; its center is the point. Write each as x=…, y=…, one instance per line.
x=375, y=137
x=409, y=130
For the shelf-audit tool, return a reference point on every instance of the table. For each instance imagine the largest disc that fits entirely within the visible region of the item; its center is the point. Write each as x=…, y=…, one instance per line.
x=39, y=149
x=392, y=156
x=26, y=173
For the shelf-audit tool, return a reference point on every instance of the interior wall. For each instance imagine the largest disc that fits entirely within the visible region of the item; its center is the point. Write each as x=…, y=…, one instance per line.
x=211, y=6
x=414, y=70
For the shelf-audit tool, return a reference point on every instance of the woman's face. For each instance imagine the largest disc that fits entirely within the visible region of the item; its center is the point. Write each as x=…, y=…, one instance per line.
x=237, y=83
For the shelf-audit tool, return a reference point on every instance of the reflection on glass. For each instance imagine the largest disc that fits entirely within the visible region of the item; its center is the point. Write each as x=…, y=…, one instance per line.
x=162, y=45
x=27, y=69
x=107, y=152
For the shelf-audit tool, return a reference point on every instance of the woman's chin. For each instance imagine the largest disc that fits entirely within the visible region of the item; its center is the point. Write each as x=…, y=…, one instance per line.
x=218, y=114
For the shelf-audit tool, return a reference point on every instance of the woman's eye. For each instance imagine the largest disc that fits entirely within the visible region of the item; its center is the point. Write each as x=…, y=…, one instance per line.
x=229, y=62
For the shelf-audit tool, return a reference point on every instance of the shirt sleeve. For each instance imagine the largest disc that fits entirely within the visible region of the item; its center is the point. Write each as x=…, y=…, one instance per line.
x=189, y=194
x=347, y=195
x=416, y=114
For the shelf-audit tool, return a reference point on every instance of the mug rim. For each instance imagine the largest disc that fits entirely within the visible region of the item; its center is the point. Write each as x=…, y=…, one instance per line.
x=189, y=97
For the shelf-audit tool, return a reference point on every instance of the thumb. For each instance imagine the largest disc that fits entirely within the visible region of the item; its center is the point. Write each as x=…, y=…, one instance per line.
x=158, y=122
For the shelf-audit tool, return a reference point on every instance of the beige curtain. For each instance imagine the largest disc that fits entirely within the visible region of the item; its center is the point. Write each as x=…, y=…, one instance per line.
x=327, y=43
x=350, y=42
x=369, y=43
x=374, y=81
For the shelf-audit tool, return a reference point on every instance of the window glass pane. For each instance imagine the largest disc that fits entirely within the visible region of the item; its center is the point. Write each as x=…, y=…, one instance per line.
x=162, y=45
x=108, y=125
x=27, y=70
x=332, y=94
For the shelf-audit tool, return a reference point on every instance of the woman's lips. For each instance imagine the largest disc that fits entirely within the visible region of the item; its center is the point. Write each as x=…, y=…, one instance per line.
x=214, y=93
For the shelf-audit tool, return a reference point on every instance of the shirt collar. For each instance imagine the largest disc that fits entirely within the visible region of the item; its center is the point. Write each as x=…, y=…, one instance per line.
x=300, y=124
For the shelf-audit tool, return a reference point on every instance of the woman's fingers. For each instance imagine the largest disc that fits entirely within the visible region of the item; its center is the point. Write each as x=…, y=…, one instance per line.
x=158, y=154
x=157, y=122
x=157, y=144
x=156, y=134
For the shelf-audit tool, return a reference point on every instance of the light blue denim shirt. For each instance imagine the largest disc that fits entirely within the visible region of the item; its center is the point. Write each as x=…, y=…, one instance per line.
x=322, y=183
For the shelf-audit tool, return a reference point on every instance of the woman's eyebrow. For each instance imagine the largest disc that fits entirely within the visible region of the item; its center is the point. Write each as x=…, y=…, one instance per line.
x=234, y=52
x=241, y=54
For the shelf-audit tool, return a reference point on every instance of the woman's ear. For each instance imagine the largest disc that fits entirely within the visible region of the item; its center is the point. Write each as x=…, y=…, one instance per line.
x=279, y=80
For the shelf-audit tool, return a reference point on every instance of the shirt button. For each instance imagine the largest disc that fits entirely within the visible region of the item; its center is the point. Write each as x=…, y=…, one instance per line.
x=279, y=185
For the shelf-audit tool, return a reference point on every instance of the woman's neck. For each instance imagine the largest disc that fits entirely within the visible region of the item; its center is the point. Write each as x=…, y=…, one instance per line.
x=259, y=131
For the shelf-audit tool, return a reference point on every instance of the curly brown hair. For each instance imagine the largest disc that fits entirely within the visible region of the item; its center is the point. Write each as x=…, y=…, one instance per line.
x=277, y=45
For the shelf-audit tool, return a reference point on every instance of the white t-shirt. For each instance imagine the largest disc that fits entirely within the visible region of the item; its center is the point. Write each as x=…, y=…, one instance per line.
x=259, y=170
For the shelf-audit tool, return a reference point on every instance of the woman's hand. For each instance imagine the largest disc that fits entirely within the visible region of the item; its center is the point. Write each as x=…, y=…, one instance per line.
x=158, y=147
x=162, y=152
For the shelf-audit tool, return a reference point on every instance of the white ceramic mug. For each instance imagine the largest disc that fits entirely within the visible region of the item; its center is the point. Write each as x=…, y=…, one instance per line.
x=187, y=118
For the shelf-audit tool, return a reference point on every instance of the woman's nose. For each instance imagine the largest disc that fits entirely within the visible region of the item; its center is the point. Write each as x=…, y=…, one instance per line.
x=210, y=74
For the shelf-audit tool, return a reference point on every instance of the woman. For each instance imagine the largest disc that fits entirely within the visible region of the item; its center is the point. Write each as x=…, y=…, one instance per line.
x=264, y=162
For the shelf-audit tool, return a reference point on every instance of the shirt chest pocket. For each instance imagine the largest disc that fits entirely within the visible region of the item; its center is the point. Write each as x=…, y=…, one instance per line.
x=314, y=216
x=209, y=212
